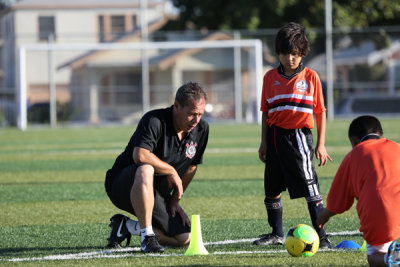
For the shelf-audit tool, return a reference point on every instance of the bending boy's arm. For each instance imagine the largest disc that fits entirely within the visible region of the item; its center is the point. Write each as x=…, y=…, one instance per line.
x=320, y=150
x=323, y=217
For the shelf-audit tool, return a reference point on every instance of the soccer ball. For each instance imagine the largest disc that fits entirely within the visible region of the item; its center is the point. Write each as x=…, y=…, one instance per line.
x=302, y=240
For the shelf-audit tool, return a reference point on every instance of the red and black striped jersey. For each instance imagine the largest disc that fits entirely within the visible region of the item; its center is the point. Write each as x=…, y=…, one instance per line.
x=291, y=101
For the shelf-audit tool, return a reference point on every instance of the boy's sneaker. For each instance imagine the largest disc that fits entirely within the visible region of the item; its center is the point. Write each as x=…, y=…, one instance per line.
x=393, y=254
x=324, y=242
x=119, y=231
x=150, y=244
x=269, y=239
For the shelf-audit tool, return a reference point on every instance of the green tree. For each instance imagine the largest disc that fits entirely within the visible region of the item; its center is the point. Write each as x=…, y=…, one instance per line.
x=254, y=14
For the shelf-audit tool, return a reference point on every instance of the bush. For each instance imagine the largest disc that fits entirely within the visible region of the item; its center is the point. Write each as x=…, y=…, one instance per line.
x=40, y=112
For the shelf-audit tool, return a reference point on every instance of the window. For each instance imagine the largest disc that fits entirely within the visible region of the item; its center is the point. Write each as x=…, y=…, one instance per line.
x=46, y=28
x=117, y=25
x=128, y=88
x=112, y=26
x=134, y=22
x=102, y=36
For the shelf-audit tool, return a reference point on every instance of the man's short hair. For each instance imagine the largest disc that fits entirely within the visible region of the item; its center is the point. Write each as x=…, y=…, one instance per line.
x=189, y=91
x=364, y=125
x=292, y=39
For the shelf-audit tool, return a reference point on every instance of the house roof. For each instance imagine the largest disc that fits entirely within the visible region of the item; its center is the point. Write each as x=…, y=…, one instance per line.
x=168, y=58
x=134, y=36
x=393, y=51
x=162, y=60
x=366, y=53
x=80, y=4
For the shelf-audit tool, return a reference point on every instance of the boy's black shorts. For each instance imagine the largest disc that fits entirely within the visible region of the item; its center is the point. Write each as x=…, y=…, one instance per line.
x=289, y=163
x=118, y=187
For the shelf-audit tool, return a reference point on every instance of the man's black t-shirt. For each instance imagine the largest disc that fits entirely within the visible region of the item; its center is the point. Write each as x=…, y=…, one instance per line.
x=156, y=133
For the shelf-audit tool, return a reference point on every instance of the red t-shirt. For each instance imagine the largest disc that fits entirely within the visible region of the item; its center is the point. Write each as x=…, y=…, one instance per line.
x=371, y=174
x=290, y=103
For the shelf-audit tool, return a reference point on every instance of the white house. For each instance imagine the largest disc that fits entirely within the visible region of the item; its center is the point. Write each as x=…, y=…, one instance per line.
x=114, y=78
x=106, y=85
x=62, y=22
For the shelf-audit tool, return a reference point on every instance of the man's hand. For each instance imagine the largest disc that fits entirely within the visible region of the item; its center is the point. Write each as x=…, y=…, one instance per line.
x=176, y=208
x=174, y=179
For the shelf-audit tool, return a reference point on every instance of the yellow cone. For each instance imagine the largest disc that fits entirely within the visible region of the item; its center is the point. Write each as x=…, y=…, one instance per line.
x=364, y=247
x=196, y=246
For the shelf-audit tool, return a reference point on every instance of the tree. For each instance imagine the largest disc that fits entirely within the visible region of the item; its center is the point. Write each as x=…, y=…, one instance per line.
x=253, y=14
x=7, y=3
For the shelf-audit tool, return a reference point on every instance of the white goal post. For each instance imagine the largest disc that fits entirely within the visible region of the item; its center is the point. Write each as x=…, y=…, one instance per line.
x=23, y=49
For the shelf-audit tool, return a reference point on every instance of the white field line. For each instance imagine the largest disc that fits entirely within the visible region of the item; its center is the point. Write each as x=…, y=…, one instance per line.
x=118, y=151
x=124, y=252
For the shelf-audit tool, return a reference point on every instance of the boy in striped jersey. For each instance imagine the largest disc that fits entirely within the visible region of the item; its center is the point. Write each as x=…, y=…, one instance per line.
x=291, y=96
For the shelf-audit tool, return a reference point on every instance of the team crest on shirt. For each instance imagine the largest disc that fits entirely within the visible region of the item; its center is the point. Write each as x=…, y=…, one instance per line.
x=191, y=149
x=302, y=86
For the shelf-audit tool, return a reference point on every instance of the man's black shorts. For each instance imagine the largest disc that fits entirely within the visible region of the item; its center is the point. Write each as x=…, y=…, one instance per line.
x=118, y=186
x=289, y=163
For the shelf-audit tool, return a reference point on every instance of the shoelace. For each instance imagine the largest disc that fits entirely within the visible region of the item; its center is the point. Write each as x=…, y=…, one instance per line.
x=152, y=241
x=268, y=235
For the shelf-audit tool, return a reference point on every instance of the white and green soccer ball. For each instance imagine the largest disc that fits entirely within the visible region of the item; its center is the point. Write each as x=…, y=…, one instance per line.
x=302, y=240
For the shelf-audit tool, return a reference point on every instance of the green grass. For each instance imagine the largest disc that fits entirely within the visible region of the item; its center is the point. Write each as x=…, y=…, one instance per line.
x=52, y=199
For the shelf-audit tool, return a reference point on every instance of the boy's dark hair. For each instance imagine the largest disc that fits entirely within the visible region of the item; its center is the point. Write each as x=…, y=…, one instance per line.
x=364, y=125
x=189, y=91
x=292, y=39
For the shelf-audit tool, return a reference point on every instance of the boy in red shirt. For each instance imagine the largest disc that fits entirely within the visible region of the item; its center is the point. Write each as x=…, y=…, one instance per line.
x=370, y=173
x=291, y=95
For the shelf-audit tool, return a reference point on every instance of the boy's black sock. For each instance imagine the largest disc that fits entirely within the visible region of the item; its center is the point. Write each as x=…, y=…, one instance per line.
x=274, y=211
x=315, y=205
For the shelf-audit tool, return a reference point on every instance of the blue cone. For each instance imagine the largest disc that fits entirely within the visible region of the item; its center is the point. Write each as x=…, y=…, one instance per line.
x=348, y=244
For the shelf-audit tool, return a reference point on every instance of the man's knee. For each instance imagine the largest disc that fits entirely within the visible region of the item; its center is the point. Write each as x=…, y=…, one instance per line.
x=144, y=178
x=145, y=172
x=183, y=239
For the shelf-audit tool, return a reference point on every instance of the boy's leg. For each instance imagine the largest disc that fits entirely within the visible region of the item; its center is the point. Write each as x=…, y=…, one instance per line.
x=315, y=205
x=274, y=211
x=301, y=177
x=387, y=254
x=393, y=254
x=273, y=187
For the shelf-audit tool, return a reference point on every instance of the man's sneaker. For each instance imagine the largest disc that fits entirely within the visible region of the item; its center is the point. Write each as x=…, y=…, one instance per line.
x=150, y=244
x=119, y=231
x=324, y=242
x=393, y=254
x=269, y=239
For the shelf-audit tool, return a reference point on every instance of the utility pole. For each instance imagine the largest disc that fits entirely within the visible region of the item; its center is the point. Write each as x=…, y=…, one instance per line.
x=329, y=59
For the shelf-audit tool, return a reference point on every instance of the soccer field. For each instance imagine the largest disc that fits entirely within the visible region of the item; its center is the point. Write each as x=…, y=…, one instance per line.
x=54, y=209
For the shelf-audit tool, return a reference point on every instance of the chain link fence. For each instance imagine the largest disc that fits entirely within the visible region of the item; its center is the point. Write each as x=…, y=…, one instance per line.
x=366, y=77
